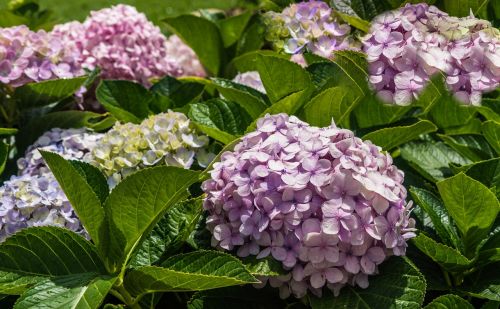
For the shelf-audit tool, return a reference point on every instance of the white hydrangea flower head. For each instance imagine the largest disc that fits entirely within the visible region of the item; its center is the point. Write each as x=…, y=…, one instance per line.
x=166, y=138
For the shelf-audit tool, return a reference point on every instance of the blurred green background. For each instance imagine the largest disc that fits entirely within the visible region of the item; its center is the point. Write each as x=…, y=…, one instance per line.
x=67, y=10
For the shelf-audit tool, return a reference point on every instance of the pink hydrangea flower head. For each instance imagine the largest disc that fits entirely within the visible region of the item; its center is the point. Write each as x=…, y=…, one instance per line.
x=28, y=56
x=308, y=26
x=405, y=47
x=327, y=205
x=250, y=79
x=124, y=44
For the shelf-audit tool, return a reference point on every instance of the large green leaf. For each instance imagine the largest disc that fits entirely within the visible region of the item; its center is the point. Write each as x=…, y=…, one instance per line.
x=81, y=195
x=281, y=77
x=399, y=285
x=441, y=220
x=333, y=103
x=64, y=120
x=173, y=93
x=463, y=8
x=248, y=61
x=470, y=146
x=486, y=285
x=46, y=92
x=202, y=36
x=48, y=251
x=354, y=68
x=94, y=178
x=432, y=159
x=268, y=266
x=219, y=119
x=169, y=233
x=447, y=112
x=232, y=28
x=250, y=99
x=487, y=172
x=82, y=291
x=16, y=284
x=126, y=100
x=195, y=271
x=389, y=138
x=472, y=206
x=449, y=301
x=135, y=206
x=449, y=258
x=491, y=131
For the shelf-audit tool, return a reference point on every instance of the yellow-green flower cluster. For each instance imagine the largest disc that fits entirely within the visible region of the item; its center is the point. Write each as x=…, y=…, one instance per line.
x=166, y=138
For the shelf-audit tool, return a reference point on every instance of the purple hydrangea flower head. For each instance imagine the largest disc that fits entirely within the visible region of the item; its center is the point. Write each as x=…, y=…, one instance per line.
x=72, y=144
x=405, y=47
x=308, y=26
x=27, y=56
x=327, y=205
x=29, y=201
x=166, y=138
x=125, y=45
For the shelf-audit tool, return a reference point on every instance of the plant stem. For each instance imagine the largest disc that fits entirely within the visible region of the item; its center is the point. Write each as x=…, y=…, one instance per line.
x=126, y=297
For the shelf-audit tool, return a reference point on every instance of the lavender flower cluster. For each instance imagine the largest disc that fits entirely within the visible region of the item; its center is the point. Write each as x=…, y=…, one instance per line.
x=125, y=45
x=250, y=79
x=405, y=47
x=308, y=26
x=34, y=198
x=166, y=138
x=27, y=56
x=327, y=205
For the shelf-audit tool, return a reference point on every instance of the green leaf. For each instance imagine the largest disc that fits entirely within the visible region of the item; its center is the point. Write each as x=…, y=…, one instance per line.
x=432, y=159
x=486, y=286
x=487, y=172
x=491, y=131
x=16, y=284
x=202, y=36
x=48, y=251
x=388, y=138
x=232, y=28
x=449, y=301
x=136, y=204
x=491, y=305
x=333, y=103
x=372, y=112
x=126, y=100
x=169, y=233
x=364, y=9
x=9, y=19
x=248, y=61
x=253, y=37
x=432, y=93
x=356, y=22
x=471, y=146
x=462, y=8
x=268, y=266
x=94, y=178
x=472, y=206
x=248, y=98
x=82, y=291
x=64, y=120
x=80, y=193
x=433, y=273
x=8, y=131
x=398, y=285
x=46, y=92
x=488, y=256
x=195, y=271
x=281, y=77
x=219, y=119
x=434, y=207
x=173, y=93
x=4, y=155
x=447, y=112
x=449, y=258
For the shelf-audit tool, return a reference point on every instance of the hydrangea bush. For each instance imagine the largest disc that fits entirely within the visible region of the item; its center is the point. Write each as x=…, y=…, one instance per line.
x=327, y=205
x=308, y=26
x=405, y=47
x=167, y=138
x=29, y=56
x=238, y=156
x=125, y=45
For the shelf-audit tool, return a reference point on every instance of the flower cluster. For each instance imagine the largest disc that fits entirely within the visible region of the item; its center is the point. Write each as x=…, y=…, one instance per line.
x=125, y=45
x=405, y=47
x=327, y=205
x=38, y=200
x=166, y=138
x=71, y=144
x=308, y=26
x=27, y=56
x=34, y=198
